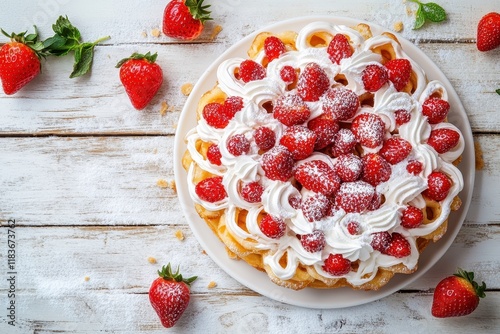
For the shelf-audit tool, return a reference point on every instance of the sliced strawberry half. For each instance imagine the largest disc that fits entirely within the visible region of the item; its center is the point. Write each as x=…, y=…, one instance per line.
x=318, y=176
x=299, y=140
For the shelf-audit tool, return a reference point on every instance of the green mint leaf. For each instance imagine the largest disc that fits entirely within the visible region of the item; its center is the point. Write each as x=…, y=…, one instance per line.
x=64, y=28
x=498, y=91
x=419, y=19
x=83, y=60
x=433, y=12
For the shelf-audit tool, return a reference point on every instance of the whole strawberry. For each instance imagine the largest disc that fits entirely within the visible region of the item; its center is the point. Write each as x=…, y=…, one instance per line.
x=184, y=19
x=488, y=32
x=20, y=61
x=169, y=295
x=141, y=77
x=457, y=295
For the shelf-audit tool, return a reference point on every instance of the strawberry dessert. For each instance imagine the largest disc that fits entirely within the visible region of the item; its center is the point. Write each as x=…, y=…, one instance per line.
x=325, y=158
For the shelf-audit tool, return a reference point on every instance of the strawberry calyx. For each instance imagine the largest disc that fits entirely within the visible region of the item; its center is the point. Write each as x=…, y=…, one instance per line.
x=137, y=56
x=167, y=274
x=198, y=10
x=30, y=40
x=469, y=277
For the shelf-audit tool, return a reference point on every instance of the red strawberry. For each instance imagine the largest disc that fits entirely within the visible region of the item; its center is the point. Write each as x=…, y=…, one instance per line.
x=443, y=140
x=141, y=77
x=414, y=167
x=337, y=265
x=368, y=129
x=318, y=176
x=375, y=169
x=19, y=61
x=354, y=196
x=211, y=189
x=273, y=48
x=251, y=71
x=399, y=72
x=339, y=48
x=435, y=109
x=438, y=186
x=376, y=202
x=398, y=247
x=313, y=242
x=412, y=217
x=252, y=192
x=215, y=115
x=324, y=128
x=213, y=155
x=290, y=110
x=273, y=227
x=374, y=77
x=299, y=140
x=381, y=241
x=348, y=167
x=169, y=295
x=315, y=207
x=265, y=138
x=238, y=145
x=402, y=116
x=312, y=83
x=395, y=149
x=353, y=228
x=457, y=295
x=340, y=103
x=288, y=74
x=278, y=163
x=232, y=105
x=184, y=19
x=344, y=142
x=488, y=32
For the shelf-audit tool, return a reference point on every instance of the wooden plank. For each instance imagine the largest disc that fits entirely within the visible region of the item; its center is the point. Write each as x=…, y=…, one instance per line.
x=238, y=18
x=81, y=311
x=113, y=181
x=117, y=259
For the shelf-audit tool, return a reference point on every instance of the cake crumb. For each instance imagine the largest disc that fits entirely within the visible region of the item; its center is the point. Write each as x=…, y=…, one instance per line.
x=152, y=260
x=215, y=32
x=179, y=235
x=144, y=34
x=398, y=26
x=86, y=278
x=186, y=89
x=162, y=183
x=211, y=285
x=156, y=32
x=164, y=108
x=479, y=156
x=203, y=252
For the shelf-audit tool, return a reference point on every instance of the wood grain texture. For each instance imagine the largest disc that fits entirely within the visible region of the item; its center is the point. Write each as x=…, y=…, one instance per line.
x=113, y=181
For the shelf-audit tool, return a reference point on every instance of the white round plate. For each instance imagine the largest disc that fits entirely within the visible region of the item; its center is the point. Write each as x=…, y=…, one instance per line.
x=259, y=281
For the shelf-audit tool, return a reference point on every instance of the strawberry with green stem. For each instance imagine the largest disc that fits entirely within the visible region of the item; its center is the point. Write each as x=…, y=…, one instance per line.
x=142, y=77
x=20, y=60
x=67, y=38
x=185, y=19
x=169, y=295
x=457, y=295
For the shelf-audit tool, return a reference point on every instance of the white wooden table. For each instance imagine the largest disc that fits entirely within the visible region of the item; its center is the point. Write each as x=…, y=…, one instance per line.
x=81, y=173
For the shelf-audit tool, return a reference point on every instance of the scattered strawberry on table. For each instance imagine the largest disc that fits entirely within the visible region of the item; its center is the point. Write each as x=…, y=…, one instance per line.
x=141, y=77
x=20, y=60
x=488, y=32
x=169, y=295
x=457, y=295
x=185, y=19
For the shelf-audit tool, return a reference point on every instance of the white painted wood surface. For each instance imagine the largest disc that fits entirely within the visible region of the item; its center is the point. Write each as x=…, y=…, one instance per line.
x=79, y=169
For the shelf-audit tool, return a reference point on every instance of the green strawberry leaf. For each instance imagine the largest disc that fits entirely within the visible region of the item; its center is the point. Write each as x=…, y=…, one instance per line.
x=419, y=19
x=84, y=56
x=498, y=91
x=64, y=28
x=433, y=12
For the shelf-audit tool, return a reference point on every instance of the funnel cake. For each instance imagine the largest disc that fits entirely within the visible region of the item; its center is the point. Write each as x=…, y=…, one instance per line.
x=322, y=161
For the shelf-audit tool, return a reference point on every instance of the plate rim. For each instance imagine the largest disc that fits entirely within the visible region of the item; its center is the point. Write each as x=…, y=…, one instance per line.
x=205, y=236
